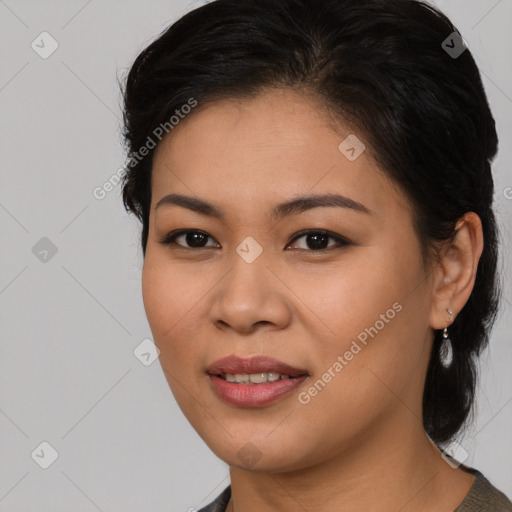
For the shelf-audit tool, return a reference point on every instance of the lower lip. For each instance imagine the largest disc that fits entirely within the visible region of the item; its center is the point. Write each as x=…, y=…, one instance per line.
x=255, y=395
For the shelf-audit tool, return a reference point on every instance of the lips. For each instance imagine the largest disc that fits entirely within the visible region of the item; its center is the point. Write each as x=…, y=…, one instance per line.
x=255, y=364
x=249, y=394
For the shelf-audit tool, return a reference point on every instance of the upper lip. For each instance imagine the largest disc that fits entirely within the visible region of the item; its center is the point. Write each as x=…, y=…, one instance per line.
x=255, y=364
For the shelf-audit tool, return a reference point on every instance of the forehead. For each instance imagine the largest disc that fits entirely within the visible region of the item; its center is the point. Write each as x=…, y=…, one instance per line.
x=278, y=144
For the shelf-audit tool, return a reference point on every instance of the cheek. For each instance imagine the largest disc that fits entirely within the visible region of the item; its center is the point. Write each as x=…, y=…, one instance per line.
x=170, y=303
x=158, y=298
x=167, y=306
x=373, y=314
x=176, y=306
x=347, y=298
x=169, y=296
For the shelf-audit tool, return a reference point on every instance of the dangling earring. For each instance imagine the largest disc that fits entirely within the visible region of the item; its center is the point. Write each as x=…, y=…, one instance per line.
x=446, y=350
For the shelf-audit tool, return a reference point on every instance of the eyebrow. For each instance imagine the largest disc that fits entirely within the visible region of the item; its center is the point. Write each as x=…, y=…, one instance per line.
x=281, y=210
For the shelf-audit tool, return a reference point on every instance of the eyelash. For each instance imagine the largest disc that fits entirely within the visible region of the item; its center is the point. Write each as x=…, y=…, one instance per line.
x=170, y=238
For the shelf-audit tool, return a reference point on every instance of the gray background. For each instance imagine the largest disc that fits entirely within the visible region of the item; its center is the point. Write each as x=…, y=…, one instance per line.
x=70, y=324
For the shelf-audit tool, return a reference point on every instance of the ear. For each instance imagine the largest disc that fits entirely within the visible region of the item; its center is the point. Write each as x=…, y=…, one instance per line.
x=455, y=275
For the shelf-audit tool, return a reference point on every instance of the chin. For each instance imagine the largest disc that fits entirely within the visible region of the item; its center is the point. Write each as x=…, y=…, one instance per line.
x=257, y=454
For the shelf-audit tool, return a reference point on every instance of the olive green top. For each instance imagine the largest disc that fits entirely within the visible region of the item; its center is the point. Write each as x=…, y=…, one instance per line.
x=482, y=497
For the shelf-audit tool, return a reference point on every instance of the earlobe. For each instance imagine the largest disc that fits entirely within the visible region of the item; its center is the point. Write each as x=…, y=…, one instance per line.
x=455, y=274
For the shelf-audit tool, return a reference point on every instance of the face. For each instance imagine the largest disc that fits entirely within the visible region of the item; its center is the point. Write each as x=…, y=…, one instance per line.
x=333, y=287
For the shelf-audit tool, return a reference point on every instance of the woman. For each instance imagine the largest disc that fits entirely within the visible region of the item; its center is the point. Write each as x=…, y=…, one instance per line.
x=313, y=181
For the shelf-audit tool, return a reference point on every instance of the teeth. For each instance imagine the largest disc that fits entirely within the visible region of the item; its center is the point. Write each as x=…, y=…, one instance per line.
x=254, y=378
x=258, y=378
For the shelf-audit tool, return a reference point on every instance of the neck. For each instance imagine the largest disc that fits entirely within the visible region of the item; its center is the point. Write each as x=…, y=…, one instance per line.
x=393, y=469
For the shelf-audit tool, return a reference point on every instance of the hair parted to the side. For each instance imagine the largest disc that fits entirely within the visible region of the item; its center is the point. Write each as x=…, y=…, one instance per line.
x=378, y=66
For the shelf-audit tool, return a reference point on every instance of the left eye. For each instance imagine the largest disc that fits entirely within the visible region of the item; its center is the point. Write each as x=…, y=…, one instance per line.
x=318, y=240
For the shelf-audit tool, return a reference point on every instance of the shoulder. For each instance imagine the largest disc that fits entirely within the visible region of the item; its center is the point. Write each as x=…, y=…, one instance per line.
x=484, y=497
x=220, y=503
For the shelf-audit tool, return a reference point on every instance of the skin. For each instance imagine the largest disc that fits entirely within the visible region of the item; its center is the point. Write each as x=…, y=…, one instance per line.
x=359, y=444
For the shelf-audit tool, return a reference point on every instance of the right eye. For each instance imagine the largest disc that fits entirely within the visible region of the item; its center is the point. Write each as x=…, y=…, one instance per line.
x=194, y=238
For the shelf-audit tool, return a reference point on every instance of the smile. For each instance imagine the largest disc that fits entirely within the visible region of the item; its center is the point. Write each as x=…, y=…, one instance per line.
x=253, y=378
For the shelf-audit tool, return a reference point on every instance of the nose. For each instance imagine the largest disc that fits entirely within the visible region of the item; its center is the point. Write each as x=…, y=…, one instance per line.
x=250, y=297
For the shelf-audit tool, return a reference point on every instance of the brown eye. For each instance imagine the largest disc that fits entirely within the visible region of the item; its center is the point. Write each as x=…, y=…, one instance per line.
x=317, y=241
x=189, y=239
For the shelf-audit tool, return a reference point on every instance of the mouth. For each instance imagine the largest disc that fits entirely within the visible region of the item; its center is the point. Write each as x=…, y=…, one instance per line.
x=253, y=382
x=255, y=378
x=253, y=370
